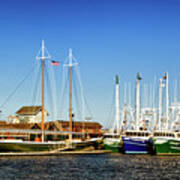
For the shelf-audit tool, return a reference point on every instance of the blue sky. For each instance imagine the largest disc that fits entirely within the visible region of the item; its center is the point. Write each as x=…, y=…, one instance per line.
x=107, y=37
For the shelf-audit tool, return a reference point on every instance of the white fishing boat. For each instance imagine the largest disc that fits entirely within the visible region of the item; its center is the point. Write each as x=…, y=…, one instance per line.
x=112, y=141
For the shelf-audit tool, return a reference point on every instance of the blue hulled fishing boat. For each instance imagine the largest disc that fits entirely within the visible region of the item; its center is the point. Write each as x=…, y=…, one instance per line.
x=136, y=142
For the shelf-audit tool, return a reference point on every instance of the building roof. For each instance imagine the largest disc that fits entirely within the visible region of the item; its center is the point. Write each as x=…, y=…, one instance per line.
x=29, y=110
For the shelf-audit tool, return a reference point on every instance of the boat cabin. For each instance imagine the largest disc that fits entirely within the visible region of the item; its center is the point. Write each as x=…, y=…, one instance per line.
x=163, y=134
x=111, y=135
x=137, y=133
x=178, y=134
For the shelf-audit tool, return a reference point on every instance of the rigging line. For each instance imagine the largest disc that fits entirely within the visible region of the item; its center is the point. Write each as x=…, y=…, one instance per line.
x=88, y=107
x=81, y=92
x=110, y=113
x=49, y=92
x=83, y=95
x=63, y=92
x=36, y=89
x=17, y=87
x=78, y=105
x=47, y=52
x=53, y=88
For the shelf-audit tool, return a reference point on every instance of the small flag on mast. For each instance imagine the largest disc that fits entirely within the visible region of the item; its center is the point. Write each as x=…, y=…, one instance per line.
x=165, y=76
x=55, y=63
x=138, y=76
x=117, y=79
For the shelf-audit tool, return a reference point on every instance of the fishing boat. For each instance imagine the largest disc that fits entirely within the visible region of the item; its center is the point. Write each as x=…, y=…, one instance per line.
x=165, y=140
x=166, y=143
x=136, y=141
x=112, y=141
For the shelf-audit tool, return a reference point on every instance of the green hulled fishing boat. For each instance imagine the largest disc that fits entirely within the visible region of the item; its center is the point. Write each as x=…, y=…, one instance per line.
x=166, y=143
x=165, y=140
x=112, y=143
x=166, y=146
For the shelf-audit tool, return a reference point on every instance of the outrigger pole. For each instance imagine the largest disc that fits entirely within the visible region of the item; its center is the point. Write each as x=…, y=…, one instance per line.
x=43, y=58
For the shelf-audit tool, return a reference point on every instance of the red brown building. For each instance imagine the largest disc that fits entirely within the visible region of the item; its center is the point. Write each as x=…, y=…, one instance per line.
x=90, y=129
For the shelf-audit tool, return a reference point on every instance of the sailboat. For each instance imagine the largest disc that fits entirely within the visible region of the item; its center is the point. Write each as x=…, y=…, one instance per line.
x=112, y=141
x=165, y=140
x=19, y=145
x=136, y=141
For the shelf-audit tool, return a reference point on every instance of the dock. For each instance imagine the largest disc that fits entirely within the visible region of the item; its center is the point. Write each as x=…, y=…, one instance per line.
x=49, y=153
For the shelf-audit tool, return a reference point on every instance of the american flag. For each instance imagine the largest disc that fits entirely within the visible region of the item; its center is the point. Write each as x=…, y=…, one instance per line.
x=55, y=63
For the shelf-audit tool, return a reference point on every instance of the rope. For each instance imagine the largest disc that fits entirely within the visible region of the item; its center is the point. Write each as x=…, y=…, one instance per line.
x=36, y=88
x=17, y=87
x=110, y=116
x=78, y=106
x=49, y=92
x=63, y=93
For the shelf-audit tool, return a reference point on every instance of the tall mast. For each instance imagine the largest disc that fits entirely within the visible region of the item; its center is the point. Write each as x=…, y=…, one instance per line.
x=117, y=105
x=70, y=94
x=70, y=64
x=138, y=100
x=42, y=63
x=160, y=102
x=167, y=100
x=42, y=57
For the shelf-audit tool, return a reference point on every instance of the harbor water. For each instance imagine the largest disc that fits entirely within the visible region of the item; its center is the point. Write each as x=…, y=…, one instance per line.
x=102, y=166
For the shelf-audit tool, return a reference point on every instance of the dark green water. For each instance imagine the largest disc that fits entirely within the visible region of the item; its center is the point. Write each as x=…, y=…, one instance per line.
x=109, y=166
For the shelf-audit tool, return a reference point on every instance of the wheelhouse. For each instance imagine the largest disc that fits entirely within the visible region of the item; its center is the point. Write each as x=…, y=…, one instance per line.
x=137, y=133
x=111, y=136
x=163, y=134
